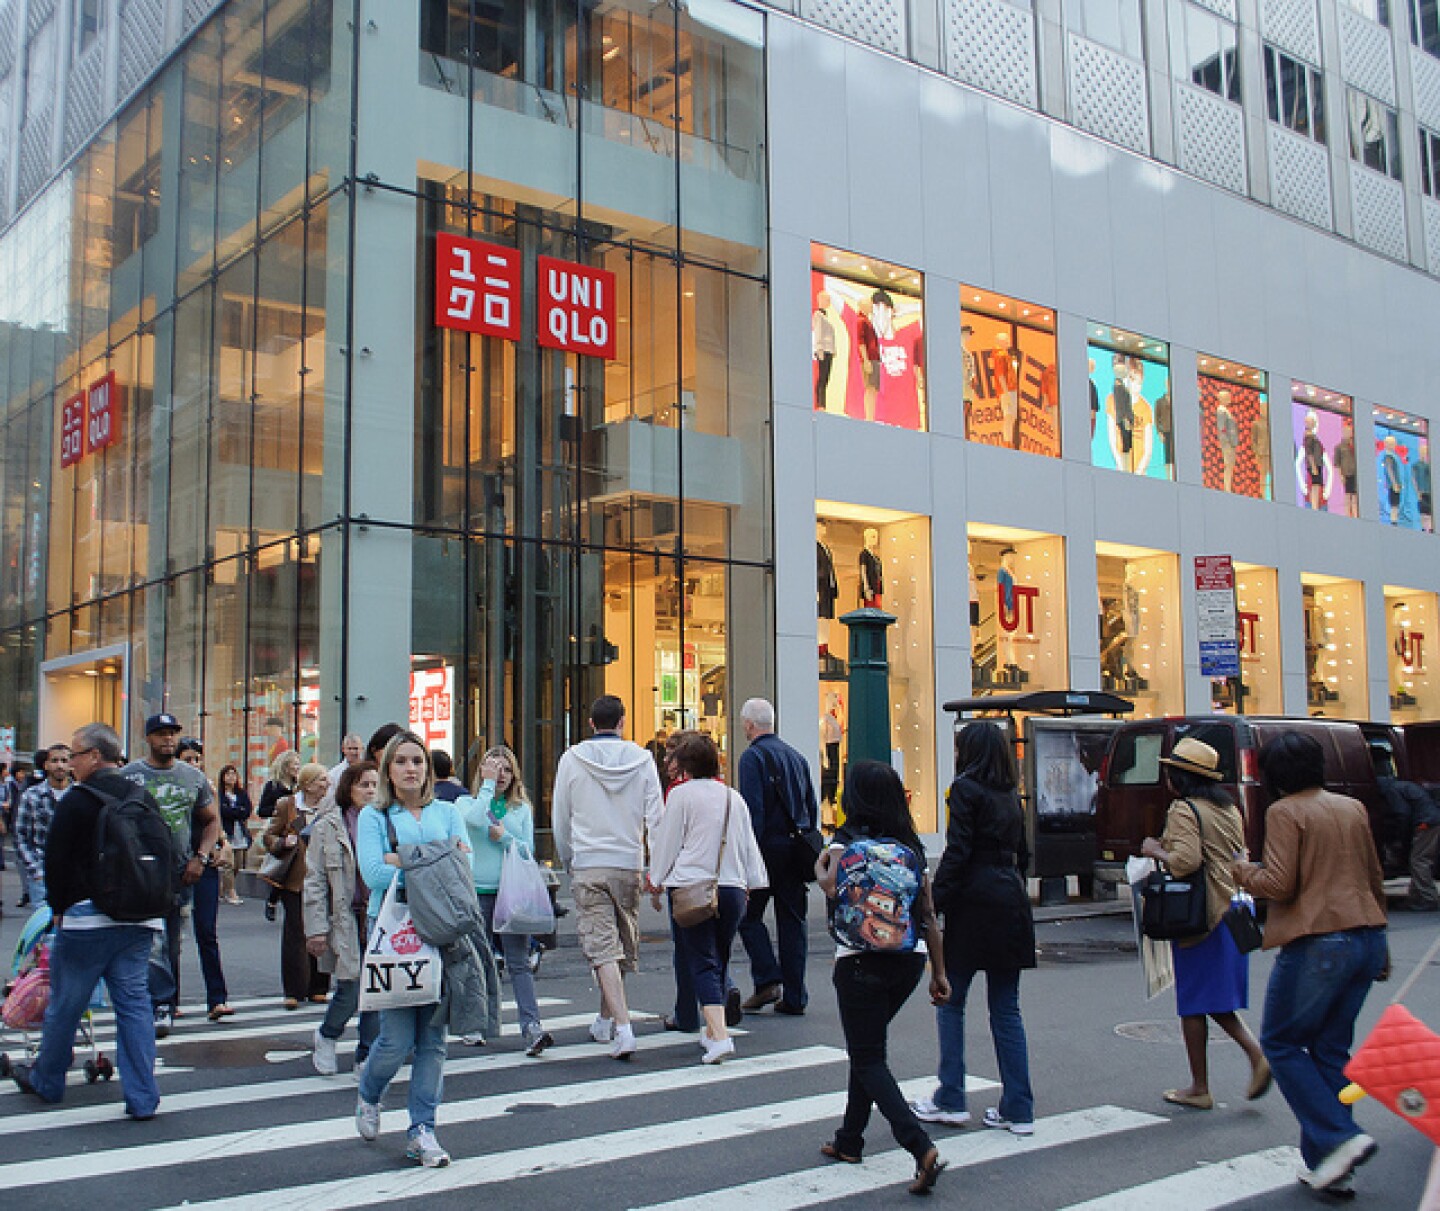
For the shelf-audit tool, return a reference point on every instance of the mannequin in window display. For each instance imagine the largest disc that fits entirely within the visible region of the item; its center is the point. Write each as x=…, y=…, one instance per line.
x=1006, y=604
x=1391, y=480
x=1260, y=444
x=1094, y=401
x=1420, y=477
x=1142, y=418
x=1315, y=464
x=1005, y=370
x=827, y=590
x=867, y=344
x=1121, y=410
x=872, y=579
x=832, y=732
x=1227, y=432
x=1164, y=419
x=1130, y=599
x=901, y=371
x=1409, y=659
x=1113, y=637
x=822, y=346
x=1348, y=467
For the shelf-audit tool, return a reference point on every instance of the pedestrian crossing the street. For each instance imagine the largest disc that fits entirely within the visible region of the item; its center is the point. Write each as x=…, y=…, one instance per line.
x=660, y=1133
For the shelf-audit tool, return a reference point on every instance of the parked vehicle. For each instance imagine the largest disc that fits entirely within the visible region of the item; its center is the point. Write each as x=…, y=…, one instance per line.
x=1133, y=797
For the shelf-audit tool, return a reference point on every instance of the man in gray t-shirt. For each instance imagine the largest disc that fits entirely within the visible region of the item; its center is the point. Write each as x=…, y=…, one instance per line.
x=188, y=803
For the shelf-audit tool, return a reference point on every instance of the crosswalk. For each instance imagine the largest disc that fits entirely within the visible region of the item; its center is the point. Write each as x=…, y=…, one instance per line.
x=662, y=1133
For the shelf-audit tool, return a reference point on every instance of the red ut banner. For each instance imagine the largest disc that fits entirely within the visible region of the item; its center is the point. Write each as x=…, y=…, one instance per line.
x=577, y=308
x=72, y=430
x=477, y=287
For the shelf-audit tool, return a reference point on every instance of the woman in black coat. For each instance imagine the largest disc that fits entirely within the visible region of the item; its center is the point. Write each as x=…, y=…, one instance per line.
x=980, y=889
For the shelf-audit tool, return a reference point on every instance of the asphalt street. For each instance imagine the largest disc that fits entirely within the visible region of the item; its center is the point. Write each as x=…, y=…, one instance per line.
x=245, y=1122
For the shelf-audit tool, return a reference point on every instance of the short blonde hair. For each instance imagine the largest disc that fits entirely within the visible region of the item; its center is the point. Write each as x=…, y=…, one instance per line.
x=385, y=796
x=277, y=767
x=309, y=775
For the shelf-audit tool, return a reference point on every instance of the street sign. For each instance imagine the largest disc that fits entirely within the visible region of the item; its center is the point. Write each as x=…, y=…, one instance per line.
x=1215, y=616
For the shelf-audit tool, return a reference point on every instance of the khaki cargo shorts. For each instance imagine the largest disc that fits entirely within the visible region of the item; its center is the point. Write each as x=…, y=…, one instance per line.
x=607, y=915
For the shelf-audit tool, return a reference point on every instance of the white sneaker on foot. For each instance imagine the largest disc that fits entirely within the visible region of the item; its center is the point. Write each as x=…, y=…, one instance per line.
x=425, y=1148
x=992, y=1118
x=928, y=1112
x=323, y=1057
x=717, y=1050
x=602, y=1030
x=473, y=1040
x=624, y=1046
x=1342, y=1161
x=367, y=1119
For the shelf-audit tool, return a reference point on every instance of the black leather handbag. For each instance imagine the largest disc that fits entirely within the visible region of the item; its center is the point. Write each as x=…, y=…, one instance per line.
x=1174, y=908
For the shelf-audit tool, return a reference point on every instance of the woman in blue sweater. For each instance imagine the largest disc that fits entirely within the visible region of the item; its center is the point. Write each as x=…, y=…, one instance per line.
x=498, y=815
x=407, y=799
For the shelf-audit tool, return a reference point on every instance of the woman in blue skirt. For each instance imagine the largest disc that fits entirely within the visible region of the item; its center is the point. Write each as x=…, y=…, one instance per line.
x=1211, y=975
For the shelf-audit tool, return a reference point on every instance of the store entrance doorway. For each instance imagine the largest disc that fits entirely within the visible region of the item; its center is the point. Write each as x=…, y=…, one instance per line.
x=88, y=687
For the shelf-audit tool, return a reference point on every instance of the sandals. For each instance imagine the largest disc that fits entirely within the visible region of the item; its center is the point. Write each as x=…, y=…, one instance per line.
x=833, y=1153
x=928, y=1173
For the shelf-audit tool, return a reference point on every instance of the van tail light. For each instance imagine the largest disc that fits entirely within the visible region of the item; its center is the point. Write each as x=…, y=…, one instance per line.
x=1249, y=765
x=1105, y=768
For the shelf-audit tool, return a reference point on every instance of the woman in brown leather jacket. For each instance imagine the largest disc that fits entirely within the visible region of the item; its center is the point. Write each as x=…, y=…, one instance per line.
x=288, y=833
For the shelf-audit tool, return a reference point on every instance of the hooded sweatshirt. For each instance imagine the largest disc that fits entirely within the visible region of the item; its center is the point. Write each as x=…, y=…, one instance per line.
x=607, y=795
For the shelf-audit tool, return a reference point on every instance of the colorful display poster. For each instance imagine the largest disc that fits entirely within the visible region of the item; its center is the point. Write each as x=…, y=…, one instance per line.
x=868, y=350
x=1131, y=426
x=1012, y=384
x=1326, y=476
x=1235, y=437
x=1402, y=469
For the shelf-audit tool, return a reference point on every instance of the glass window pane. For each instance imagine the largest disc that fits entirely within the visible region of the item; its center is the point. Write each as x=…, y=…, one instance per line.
x=1131, y=419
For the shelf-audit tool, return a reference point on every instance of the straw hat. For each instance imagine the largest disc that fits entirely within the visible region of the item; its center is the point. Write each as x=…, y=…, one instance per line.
x=1195, y=757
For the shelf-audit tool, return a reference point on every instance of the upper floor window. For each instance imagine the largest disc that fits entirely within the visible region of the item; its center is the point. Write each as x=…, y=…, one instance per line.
x=1425, y=25
x=1374, y=133
x=1294, y=94
x=1376, y=10
x=1206, y=51
x=89, y=20
x=1113, y=23
x=1430, y=163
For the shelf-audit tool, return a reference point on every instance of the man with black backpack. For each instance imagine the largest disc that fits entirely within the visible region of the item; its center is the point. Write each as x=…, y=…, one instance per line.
x=108, y=861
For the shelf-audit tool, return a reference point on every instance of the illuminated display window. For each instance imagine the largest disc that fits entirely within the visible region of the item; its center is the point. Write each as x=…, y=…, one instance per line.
x=1234, y=428
x=1141, y=653
x=1412, y=623
x=1335, y=647
x=867, y=339
x=1012, y=381
x=1257, y=618
x=1131, y=420
x=1326, y=466
x=1402, y=469
x=879, y=558
x=1017, y=611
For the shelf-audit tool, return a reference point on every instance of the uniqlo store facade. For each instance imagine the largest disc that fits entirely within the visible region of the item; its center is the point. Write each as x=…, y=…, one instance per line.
x=467, y=361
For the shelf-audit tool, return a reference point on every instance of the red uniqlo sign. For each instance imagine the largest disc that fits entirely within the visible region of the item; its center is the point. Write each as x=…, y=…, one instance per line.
x=477, y=287
x=72, y=430
x=577, y=308
x=102, y=414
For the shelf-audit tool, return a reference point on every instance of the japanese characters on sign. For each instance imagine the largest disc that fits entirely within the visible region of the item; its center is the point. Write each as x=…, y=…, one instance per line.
x=72, y=430
x=431, y=696
x=90, y=420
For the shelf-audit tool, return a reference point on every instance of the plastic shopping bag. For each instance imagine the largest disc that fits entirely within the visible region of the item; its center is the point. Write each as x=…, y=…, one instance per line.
x=522, y=905
x=399, y=969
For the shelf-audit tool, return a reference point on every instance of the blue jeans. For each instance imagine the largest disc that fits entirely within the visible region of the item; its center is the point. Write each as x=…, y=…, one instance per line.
x=80, y=959
x=421, y=1030
x=204, y=898
x=346, y=1001
x=1002, y=990
x=704, y=952
x=1316, y=990
x=516, y=949
x=789, y=891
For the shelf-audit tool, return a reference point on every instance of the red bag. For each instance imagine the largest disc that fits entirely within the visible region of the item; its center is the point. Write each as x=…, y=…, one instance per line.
x=1399, y=1066
x=24, y=1008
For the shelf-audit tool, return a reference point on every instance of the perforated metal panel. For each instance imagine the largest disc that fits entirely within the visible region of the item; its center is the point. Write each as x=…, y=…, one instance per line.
x=84, y=98
x=1366, y=55
x=1212, y=138
x=34, y=159
x=9, y=34
x=196, y=11
x=991, y=44
x=1292, y=26
x=1226, y=8
x=1431, y=210
x=142, y=41
x=1379, y=205
x=875, y=22
x=1300, y=177
x=1107, y=95
x=1425, y=71
x=40, y=12
x=7, y=102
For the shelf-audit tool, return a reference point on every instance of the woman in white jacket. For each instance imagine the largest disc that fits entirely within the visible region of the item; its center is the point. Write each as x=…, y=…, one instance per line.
x=705, y=834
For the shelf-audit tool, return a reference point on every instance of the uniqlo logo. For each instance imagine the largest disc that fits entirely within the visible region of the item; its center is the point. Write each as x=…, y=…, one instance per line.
x=577, y=308
x=72, y=430
x=102, y=414
x=477, y=287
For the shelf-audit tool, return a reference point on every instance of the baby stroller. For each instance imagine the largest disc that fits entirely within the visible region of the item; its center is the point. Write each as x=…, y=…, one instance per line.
x=27, y=993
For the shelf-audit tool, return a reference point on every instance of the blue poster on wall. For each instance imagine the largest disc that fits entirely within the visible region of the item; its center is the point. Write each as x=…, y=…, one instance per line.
x=1402, y=469
x=1130, y=414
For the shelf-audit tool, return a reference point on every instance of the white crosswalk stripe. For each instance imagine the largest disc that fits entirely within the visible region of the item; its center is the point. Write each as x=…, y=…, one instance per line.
x=1207, y=1187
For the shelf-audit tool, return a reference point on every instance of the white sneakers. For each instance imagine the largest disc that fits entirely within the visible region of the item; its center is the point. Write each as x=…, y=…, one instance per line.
x=624, y=1045
x=602, y=1030
x=1340, y=1163
x=716, y=1050
x=425, y=1148
x=367, y=1120
x=992, y=1118
x=928, y=1112
x=323, y=1057
x=473, y=1040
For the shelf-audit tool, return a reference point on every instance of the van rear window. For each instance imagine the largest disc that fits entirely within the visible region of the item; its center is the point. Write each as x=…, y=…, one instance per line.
x=1136, y=760
x=1220, y=737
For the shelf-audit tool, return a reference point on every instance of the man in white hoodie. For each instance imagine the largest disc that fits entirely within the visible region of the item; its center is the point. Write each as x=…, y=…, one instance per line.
x=607, y=796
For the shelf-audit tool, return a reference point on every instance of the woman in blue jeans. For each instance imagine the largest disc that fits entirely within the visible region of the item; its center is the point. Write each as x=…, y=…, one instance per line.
x=980, y=890
x=498, y=815
x=705, y=833
x=407, y=798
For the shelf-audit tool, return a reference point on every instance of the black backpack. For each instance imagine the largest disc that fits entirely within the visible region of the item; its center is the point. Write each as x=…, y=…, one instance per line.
x=134, y=877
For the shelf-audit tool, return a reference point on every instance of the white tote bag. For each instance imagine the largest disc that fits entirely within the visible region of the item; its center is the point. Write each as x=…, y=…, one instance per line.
x=400, y=970
x=522, y=905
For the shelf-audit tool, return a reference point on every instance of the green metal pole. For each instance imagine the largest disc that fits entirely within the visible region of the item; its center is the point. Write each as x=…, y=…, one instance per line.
x=869, y=709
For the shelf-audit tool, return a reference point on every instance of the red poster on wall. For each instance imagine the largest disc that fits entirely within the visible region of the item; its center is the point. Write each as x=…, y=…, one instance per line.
x=577, y=308
x=102, y=414
x=72, y=430
x=477, y=287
